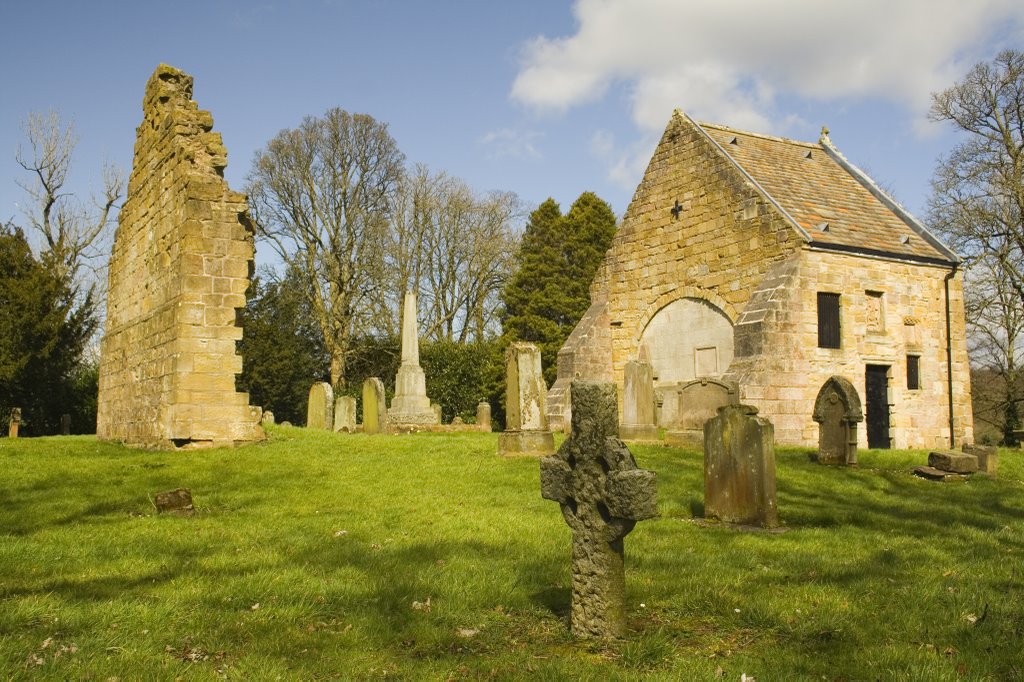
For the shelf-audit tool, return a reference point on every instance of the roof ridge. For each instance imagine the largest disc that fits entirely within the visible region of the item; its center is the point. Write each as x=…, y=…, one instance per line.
x=763, y=136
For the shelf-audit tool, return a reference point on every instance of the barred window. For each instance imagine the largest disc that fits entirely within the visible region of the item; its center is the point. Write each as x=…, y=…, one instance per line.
x=913, y=372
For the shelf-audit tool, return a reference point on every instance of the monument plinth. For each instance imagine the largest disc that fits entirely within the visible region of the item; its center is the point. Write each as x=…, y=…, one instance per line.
x=410, y=404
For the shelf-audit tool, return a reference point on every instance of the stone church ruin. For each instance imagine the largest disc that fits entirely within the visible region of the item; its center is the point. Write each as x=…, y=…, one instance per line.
x=773, y=265
x=180, y=267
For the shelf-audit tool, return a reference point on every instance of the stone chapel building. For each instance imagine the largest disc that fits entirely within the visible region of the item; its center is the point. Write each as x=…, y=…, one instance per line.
x=777, y=264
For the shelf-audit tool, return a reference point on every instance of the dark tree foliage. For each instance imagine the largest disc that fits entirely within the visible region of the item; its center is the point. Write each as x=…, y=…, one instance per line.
x=459, y=375
x=43, y=333
x=558, y=259
x=283, y=351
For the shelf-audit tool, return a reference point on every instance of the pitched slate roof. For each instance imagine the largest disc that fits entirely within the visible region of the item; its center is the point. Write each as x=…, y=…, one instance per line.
x=832, y=202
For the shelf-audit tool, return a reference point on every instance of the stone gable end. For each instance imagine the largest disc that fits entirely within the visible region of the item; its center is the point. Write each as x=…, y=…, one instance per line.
x=180, y=267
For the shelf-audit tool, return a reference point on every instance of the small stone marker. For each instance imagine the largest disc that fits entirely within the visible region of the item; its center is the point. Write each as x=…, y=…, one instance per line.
x=483, y=416
x=837, y=410
x=268, y=417
x=345, y=414
x=602, y=493
x=65, y=424
x=175, y=502
x=739, y=467
x=436, y=408
x=12, y=431
x=375, y=411
x=639, y=409
x=988, y=457
x=526, y=424
x=320, y=411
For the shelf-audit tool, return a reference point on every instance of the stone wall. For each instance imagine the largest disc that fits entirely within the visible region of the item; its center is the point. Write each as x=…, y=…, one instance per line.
x=181, y=262
x=781, y=369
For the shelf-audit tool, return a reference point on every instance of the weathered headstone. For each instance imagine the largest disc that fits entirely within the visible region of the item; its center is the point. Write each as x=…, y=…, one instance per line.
x=837, y=410
x=526, y=427
x=739, y=467
x=483, y=416
x=178, y=273
x=988, y=457
x=65, y=424
x=320, y=409
x=175, y=502
x=694, y=403
x=12, y=429
x=375, y=409
x=602, y=493
x=410, y=404
x=268, y=417
x=638, y=403
x=345, y=414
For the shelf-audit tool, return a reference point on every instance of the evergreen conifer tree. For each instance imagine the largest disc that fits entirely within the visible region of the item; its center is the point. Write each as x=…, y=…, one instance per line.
x=558, y=258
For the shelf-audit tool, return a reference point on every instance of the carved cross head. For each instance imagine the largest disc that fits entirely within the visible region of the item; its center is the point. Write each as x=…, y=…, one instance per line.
x=593, y=476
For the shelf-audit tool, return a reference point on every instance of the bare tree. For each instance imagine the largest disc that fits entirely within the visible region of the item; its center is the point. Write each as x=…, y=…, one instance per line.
x=978, y=203
x=455, y=248
x=73, y=236
x=322, y=197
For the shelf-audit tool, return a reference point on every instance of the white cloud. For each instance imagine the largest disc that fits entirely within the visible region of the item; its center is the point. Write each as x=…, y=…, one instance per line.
x=625, y=163
x=729, y=61
x=507, y=142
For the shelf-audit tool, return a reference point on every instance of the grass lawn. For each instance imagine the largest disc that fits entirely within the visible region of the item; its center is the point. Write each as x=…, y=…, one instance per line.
x=328, y=556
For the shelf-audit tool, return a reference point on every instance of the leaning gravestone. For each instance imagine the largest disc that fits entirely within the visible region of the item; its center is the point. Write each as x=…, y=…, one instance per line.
x=375, y=410
x=12, y=428
x=483, y=416
x=638, y=403
x=526, y=425
x=837, y=411
x=602, y=493
x=739, y=467
x=320, y=410
x=345, y=414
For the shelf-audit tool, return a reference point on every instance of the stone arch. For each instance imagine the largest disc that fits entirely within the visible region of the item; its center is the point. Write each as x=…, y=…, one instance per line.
x=837, y=409
x=687, y=338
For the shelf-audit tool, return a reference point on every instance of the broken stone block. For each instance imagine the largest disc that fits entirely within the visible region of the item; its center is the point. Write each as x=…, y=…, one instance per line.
x=953, y=461
x=988, y=457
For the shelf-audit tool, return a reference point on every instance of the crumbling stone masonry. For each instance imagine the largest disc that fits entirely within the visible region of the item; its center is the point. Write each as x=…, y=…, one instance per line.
x=182, y=258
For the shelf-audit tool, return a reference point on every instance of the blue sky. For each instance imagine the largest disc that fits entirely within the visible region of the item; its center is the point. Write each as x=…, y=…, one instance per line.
x=538, y=97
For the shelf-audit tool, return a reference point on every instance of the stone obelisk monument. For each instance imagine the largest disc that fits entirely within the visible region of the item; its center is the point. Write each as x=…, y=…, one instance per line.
x=410, y=404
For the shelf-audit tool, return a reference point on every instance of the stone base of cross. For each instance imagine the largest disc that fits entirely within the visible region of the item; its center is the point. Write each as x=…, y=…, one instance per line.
x=602, y=493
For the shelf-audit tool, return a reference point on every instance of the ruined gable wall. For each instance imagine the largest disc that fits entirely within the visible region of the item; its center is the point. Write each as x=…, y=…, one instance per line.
x=780, y=368
x=725, y=239
x=178, y=273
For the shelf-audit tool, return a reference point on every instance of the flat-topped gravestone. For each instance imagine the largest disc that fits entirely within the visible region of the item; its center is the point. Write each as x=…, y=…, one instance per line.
x=988, y=457
x=602, y=494
x=12, y=428
x=375, y=408
x=410, y=404
x=345, y=414
x=837, y=410
x=526, y=425
x=639, y=409
x=320, y=410
x=739, y=467
x=483, y=416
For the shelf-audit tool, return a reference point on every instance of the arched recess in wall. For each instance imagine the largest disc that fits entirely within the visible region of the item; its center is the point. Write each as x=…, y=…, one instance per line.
x=686, y=339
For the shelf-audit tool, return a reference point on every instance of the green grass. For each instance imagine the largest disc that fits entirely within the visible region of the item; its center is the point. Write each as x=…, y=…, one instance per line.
x=322, y=556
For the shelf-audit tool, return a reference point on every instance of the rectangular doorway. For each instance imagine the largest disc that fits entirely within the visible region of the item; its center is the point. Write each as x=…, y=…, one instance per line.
x=876, y=389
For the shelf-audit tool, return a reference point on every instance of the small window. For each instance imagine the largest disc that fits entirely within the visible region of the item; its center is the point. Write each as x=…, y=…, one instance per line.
x=828, y=320
x=913, y=372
